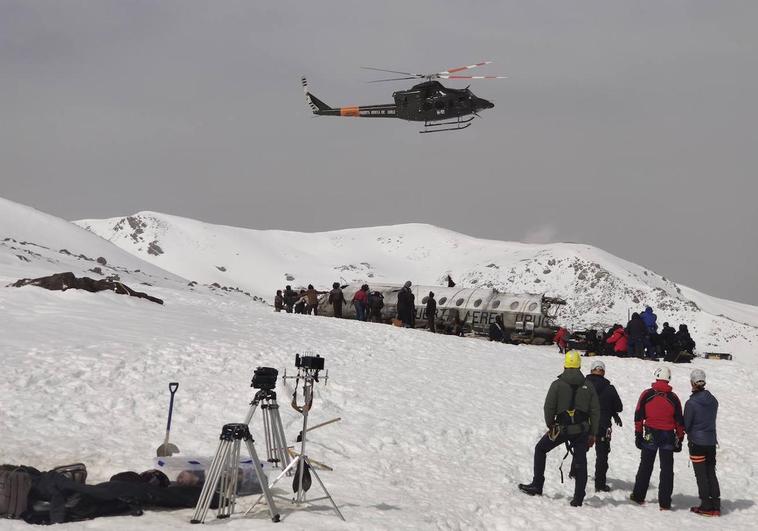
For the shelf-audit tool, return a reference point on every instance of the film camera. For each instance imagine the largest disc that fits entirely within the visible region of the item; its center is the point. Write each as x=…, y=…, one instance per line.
x=265, y=378
x=315, y=363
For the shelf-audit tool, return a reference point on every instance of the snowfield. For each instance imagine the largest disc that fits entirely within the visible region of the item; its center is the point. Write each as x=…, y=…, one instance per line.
x=436, y=430
x=436, y=433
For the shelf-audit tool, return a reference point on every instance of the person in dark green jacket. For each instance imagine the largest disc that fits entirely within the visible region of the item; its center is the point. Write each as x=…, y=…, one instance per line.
x=572, y=416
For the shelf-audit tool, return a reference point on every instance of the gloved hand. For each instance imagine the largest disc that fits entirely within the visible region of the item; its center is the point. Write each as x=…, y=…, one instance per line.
x=590, y=441
x=638, y=440
x=678, y=445
x=617, y=420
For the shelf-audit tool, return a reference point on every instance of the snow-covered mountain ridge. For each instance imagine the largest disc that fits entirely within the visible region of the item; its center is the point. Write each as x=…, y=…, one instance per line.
x=600, y=288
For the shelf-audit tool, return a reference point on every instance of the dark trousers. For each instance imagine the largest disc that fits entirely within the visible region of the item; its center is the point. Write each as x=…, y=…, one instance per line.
x=578, y=444
x=704, y=463
x=432, y=325
x=602, y=449
x=661, y=443
x=311, y=309
x=338, y=311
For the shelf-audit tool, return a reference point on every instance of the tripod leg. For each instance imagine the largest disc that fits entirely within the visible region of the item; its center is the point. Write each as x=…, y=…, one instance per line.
x=211, y=480
x=280, y=440
x=267, y=432
x=324, y=489
x=263, y=482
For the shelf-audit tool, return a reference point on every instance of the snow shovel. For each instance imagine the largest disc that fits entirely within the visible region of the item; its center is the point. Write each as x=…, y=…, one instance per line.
x=168, y=449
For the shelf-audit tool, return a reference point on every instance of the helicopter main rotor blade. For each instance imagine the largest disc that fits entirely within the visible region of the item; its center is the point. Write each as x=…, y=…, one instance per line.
x=391, y=79
x=393, y=71
x=460, y=68
x=472, y=77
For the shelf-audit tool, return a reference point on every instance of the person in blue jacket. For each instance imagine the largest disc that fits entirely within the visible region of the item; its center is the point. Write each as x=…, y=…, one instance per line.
x=700, y=424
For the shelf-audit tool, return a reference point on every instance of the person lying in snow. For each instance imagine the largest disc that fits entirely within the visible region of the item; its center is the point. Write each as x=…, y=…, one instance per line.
x=56, y=497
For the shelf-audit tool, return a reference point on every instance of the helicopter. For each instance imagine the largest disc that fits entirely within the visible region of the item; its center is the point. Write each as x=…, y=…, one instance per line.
x=441, y=108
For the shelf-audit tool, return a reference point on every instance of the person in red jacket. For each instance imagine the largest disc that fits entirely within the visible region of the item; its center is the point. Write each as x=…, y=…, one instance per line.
x=360, y=301
x=561, y=339
x=619, y=341
x=658, y=428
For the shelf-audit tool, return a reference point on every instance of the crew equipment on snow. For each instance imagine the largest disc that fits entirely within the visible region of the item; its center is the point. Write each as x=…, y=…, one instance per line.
x=168, y=449
x=223, y=472
x=308, y=368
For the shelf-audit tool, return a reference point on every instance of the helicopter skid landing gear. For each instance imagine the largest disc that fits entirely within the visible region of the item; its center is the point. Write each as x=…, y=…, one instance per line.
x=459, y=124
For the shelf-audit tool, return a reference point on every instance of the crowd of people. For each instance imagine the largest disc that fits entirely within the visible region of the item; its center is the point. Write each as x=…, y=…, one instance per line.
x=578, y=413
x=368, y=306
x=640, y=338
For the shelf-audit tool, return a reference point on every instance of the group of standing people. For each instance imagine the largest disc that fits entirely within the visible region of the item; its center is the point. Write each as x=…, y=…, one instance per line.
x=578, y=413
x=639, y=338
x=306, y=301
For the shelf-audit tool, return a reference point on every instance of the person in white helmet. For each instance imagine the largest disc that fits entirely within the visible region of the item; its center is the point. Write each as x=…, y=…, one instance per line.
x=700, y=423
x=658, y=429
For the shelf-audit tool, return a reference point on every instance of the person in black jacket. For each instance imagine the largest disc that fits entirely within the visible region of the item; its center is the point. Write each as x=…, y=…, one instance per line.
x=431, y=312
x=667, y=340
x=637, y=336
x=337, y=299
x=700, y=424
x=290, y=298
x=405, y=305
x=610, y=407
x=497, y=330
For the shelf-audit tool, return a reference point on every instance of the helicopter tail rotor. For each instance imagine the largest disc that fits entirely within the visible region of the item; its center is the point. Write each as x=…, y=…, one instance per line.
x=315, y=103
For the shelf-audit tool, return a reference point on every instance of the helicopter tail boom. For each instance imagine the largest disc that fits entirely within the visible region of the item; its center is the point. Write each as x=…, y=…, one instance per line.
x=365, y=111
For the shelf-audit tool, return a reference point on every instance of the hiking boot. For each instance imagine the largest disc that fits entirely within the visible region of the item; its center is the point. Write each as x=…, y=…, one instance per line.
x=602, y=488
x=531, y=489
x=575, y=503
x=635, y=500
x=705, y=512
x=665, y=507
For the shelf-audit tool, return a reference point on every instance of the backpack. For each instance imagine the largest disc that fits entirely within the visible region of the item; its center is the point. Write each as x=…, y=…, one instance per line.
x=573, y=416
x=15, y=484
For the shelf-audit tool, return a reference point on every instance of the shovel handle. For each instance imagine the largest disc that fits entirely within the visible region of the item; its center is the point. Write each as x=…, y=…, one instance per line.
x=172, y=387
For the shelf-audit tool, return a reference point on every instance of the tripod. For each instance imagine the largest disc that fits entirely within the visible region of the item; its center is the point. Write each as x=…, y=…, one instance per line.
x=224, y=474
x=301, y=464
x=273, y=432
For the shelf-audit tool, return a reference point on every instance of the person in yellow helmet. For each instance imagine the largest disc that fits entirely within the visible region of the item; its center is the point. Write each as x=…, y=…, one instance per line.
x=572, y=416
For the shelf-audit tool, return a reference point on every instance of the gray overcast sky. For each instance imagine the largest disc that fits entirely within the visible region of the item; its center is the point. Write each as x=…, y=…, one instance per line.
x=630, y=125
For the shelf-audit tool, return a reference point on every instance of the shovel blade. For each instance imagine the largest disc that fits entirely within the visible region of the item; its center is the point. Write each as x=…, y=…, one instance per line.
x=167, y=450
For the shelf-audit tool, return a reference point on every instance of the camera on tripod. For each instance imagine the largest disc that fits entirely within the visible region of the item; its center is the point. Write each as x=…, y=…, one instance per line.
x=315, y=363
x=265, y=378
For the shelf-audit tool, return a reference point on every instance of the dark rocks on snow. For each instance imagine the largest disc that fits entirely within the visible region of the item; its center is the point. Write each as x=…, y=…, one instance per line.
x=97, y=270
x=221, y=268
x=64, y=281
x=154, y=248
x=102, y=261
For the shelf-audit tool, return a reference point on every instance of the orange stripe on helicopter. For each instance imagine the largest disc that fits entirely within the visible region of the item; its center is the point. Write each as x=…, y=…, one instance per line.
x=349, y=111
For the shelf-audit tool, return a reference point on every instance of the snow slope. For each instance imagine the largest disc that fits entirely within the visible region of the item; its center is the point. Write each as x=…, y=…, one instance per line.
x=34, y=244
x=600, y=288
x=436, y=430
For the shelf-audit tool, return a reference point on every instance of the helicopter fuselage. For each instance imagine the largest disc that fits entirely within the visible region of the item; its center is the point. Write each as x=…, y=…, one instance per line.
x=426, y=102
x=429, y=102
